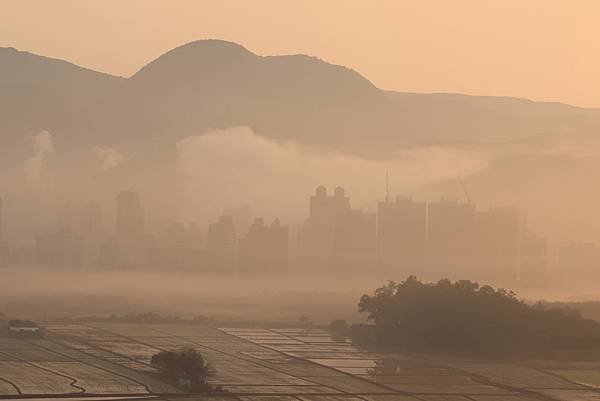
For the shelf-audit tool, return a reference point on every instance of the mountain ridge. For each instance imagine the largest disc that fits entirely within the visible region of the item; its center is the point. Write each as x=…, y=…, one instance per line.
x=213, y=84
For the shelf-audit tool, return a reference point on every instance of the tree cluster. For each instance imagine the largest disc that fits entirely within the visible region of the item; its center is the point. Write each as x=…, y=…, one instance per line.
x=185, y=368
x=464, y=317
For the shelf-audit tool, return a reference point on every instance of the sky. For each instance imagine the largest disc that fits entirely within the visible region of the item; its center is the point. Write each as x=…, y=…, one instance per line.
x=537, y=49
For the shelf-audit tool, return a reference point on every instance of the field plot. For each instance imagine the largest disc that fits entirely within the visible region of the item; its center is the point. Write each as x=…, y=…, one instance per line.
x=271, y=365
x=446, y=397
x=267, y=398
x=266, y=389
x=95, y=380
x=502, y=398
x=32, y=380
x=329, y=398
x=415, y=379
x=107, y=345
x=6, y=388
x=589, y=378
x=468, y=389
x=394, y=397
x=572, y=395
x=514, y=375
x=154, y=385
x=421, y=379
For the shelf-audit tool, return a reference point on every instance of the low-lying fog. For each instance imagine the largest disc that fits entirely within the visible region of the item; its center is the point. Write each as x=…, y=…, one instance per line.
x=44, y=293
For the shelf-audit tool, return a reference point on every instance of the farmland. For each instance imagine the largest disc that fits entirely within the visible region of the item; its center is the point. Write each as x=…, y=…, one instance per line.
x=256, y=364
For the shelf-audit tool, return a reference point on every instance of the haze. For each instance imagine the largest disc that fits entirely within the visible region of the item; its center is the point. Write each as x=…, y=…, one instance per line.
x=311, y=200
x=542, y=50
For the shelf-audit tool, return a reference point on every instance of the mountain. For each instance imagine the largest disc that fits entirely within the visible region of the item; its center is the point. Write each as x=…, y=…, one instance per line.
x=211, y=84
x=39, y=93
x=444, y=118
x=36, y=91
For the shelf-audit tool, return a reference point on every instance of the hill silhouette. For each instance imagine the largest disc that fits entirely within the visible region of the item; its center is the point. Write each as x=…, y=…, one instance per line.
x=211, y=84
x=41, y=93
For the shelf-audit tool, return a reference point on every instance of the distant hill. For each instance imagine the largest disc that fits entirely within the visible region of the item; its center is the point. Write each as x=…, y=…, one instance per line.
x=211, y=84
x=43, y=93
x=443, y=118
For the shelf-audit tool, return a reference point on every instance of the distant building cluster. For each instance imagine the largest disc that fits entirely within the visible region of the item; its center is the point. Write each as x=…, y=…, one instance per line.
x=441, y=238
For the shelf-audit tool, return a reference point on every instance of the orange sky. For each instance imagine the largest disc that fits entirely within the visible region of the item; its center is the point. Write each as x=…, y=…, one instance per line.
x=539, y=49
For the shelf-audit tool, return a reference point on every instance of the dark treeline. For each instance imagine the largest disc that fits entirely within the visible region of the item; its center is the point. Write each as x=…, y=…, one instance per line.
x=589, y=309
x=466, y=318
x=148, y=317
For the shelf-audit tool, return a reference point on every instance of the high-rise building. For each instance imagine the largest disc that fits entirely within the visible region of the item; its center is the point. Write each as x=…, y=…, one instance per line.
x=67, y=216
x=462, y=240
x=242, y=217
x=265, y=248
x=221, y=241
x=324, y=208
x=63, y=249
x=130, y=217
x=451, y=233
x=533, y=257
x=178, y=235
x=111, y=255
x=316, y=236
x=92, y=230
x=354, y=240
x=497, y=242
x=401, y=234
x=131, y=229
x=91, y=223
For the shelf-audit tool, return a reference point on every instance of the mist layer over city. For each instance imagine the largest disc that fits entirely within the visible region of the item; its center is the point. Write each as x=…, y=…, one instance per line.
x=311, y=201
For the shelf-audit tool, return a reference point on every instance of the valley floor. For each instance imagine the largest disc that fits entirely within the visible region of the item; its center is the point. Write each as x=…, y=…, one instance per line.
x=106, y=361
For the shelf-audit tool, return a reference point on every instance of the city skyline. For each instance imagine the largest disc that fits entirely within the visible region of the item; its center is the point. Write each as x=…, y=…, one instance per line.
x=445, y=237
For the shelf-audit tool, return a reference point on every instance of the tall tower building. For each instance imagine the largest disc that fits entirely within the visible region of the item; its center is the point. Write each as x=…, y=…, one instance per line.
x=221, y=241
x=354, y=240
x=130, y=217
x=92, y=230
x=316, y=236
x=498, y=242
x=452, y=233
x=265, y=248
x=91, y=223
x=67, y=216
x=401, y=234
x=242, y=217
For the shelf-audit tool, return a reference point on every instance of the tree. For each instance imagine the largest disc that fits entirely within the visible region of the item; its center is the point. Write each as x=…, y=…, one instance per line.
x=338, y=326
x=185, y=367
x=464, y=317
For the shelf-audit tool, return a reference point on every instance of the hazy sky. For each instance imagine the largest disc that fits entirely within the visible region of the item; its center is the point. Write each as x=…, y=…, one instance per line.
x=539, y=49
